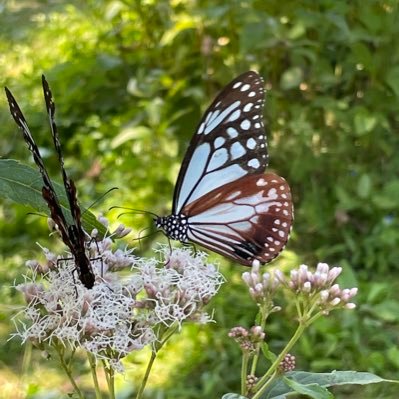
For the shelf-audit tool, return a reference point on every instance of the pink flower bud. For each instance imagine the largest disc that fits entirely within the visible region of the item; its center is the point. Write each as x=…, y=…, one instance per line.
x=334, y=273
x=255, y=266
x=335, y=301
x=307, y=287
x=322, y=268
x=246, y=276
x=279, y=276
x=335, y=290
x=324, y=296
x=257, y=333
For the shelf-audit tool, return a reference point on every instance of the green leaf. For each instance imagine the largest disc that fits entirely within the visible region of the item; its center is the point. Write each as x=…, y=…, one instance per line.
x=393, y=80
x=364, y=121
x=291, y=78
x=364, y=186
x=130, y=133
x=267, y=353
x=280, y=388
x=23, y=184
x=314, y=391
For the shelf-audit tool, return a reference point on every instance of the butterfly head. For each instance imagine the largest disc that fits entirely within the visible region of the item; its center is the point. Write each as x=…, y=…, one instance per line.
x=174, y=226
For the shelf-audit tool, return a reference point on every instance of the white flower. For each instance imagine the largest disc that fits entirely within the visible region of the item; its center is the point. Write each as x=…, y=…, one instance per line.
x=116, y=316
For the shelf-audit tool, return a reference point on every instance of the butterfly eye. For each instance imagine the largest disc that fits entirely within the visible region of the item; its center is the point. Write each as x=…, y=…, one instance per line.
x=226, y=201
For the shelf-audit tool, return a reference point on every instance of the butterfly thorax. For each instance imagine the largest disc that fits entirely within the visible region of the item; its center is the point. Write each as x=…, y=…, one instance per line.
x=174, y=226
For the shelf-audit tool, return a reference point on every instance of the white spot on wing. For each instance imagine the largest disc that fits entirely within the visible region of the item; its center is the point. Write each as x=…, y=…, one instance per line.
x=261, y=182
x=234, y=116
x=219, y=142
x=251, y=94
x=248, y=107
x=251, y=143
x=237, y=150
x=219, y=158
x=245, y=124
x=201, y=128
x=220, y=117
x=237, y=84
x=253, y=163
x=232, y=132
x=245, y=87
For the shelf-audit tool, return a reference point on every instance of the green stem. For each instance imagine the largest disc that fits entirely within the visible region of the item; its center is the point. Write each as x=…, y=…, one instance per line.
x=94, y=375
x=264, y=316
x=263, y=382
x=268, y=382
x=244, y=372
x=146, y=375
x=165, y=336
x=68, y=373
x=111, y=381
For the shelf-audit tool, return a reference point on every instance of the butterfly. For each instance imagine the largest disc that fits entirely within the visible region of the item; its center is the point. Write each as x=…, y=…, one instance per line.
x=72, y=234
x=223, y=199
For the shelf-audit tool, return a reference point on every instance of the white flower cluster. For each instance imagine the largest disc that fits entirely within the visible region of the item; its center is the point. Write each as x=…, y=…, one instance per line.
x=262, y=287
x=179, y=290
x=320, y=284
x=118, y=315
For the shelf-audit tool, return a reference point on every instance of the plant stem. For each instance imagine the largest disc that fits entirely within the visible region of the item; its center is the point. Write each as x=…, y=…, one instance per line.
x=111, y=381
x=244, y=372
x=94, y=375
x=146, y=375
x=68, y=373
x=262, y=383
x=264, y=315
x=165, y=336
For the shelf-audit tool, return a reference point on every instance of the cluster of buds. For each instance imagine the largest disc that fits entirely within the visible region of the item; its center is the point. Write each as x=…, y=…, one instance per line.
x=247, y=339
x=320, y=285
x=117, y=315
x=262, y=287
x=251, y=381
x=288, y=363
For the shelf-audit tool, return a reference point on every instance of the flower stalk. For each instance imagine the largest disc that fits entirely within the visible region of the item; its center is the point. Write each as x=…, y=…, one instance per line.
x=314, y=294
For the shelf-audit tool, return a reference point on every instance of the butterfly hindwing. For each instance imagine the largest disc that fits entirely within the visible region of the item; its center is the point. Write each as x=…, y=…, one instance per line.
x=223, y=200
x=228, y=144
x=247, y=219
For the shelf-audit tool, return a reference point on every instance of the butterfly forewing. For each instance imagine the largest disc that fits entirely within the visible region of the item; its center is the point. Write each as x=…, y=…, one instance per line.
x=244, y=220
x=228, y=144
x=72, y=234
x=223, y=200
x=69, y=185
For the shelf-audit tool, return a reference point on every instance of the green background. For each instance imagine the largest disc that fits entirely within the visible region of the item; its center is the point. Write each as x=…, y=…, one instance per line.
x=131, y=80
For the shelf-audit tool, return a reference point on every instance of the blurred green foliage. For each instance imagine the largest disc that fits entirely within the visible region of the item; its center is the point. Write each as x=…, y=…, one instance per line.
x=131, y=79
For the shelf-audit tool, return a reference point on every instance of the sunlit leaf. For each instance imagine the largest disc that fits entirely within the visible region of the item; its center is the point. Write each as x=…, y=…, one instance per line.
x=280, y=389
x=23, y=184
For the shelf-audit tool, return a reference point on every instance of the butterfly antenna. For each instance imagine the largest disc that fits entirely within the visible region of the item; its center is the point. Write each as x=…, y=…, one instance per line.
x=99, y=199
x=140, y=237
x=132, y=211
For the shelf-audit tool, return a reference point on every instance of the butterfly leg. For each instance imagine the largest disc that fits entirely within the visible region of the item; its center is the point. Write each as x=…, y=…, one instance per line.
x=192, y=245
x=96, y=258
